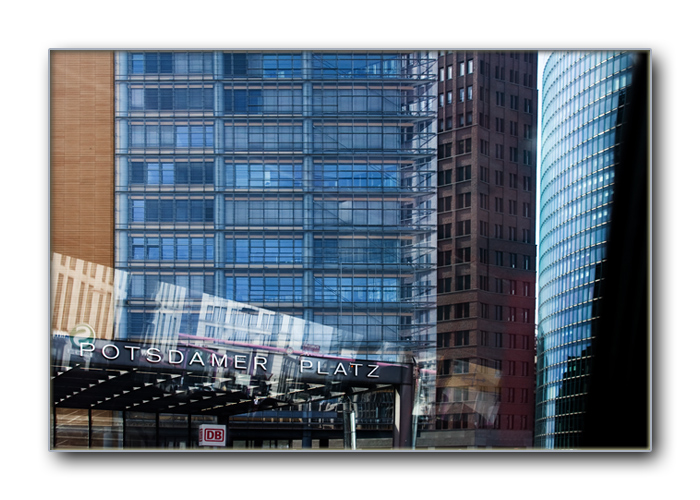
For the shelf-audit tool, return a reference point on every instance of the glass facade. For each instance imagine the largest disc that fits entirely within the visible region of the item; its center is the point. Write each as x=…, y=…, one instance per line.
x=583, y=94
x=276, y=203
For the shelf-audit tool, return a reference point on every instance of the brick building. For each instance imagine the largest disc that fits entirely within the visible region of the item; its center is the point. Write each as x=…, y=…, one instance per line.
x=487, y=142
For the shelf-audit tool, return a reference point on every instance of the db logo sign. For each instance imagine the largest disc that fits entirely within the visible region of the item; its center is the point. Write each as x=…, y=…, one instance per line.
x=212, y=435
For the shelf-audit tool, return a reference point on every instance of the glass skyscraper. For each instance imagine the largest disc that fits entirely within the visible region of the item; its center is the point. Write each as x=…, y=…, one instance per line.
x=299, y=181
x=583, y=96
x=293, y=190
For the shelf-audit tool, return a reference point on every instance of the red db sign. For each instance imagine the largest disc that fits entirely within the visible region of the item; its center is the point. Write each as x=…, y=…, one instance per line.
x=212, y=435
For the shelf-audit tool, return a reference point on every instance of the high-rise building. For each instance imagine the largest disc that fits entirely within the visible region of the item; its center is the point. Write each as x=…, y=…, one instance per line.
x=262, y=202
x=585, y=113
x=487, y=143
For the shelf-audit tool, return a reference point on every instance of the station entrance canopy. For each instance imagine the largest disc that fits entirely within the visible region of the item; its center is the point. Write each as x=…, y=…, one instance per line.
x=206, y=376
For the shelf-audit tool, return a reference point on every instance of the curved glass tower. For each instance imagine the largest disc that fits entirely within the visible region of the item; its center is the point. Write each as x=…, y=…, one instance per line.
x=582, y=97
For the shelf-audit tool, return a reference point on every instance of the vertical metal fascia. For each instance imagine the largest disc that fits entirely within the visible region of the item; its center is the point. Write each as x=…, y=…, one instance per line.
x=307, y=166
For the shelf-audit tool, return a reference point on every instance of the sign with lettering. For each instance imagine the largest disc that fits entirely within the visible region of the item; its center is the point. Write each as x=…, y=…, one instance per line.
x=212, y=435
x=232, y=362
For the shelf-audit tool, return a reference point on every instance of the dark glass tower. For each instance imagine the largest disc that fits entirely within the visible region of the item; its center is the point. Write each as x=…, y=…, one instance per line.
x=585, y=97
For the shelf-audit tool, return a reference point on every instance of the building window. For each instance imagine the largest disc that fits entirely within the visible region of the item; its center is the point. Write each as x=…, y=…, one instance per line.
x=498, y=231
x=441, y=100
x=527, y=236
x=441, y=74
x=463, y=227
x=513, y=260
x=512, y=207
x=527, y=263
x=498, y=313
x=463, y=282
x=500, y=98
x=513, y=180
x=484, y=338
x=484, y=120
x=461, y=310
x=498, y=256
x=444, y=285
x=443, y=312
x=461, y=338
x=484, y=147
x=514, y=155
x=484, y=310
x=527, y=159
x=461, y=95
x=498, y=204
x=461, y=68
x=470, y=94
x=444, y=150
x=527, y=131
x=483, y=94
x=464, y=173
x=500, y=124
x=444, y=177
x=444, y=231
x=445, y=204
x=514, y=128
x=483, y=67
x=498, y=339
x=484, y=174
x=449, y=72
x=527, y=183
x=464, y=254
x=526, y=210
x=483, y=255
x=499, y=151
x=464, y=200
x=484, y=283
x=449, y=97
x=514, y=102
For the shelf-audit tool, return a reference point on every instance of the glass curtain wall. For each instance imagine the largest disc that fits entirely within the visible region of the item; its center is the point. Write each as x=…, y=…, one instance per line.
x=298, y=183
x=583, y=95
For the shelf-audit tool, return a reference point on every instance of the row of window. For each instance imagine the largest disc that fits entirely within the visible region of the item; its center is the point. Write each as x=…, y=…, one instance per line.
x=196, y=135
x=463, y=228
x=462, y=173
x=463, y=120
x=269, y=100
x=463, y=68
x=267, y=65
x=444, y=285
x=479, y=421
x=261, y=175
x=272, y=288
x=513, y=156
x=467, y=67
x=474, y=393
x=467, y=94
x=445, y=204
x=486, y=311
x=172, y=210
x=465, y=338
x=277, y=212
x=480, y=365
